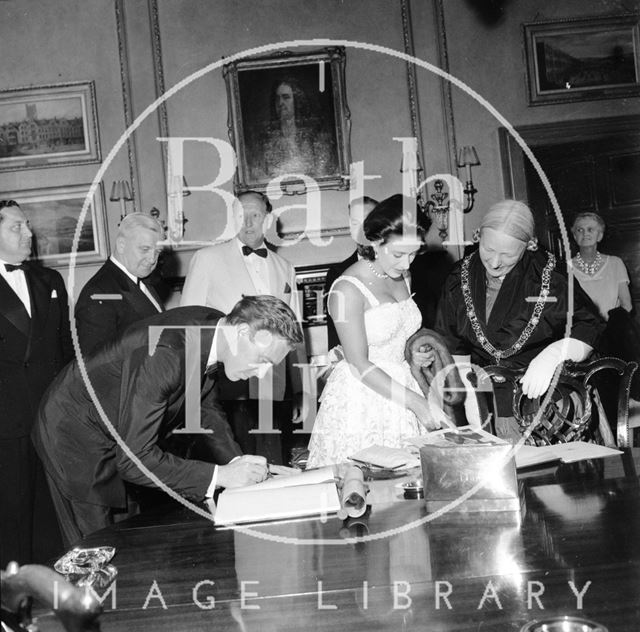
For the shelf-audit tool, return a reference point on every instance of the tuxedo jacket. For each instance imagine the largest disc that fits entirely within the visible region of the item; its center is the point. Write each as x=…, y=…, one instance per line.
x=108, y=303
x=217, y=277
x=32, y=350
x=139, y=381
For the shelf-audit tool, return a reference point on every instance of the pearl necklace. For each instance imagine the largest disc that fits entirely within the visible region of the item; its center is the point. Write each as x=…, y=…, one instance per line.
x=589, y=268
x=498, y=354
x=380, y=275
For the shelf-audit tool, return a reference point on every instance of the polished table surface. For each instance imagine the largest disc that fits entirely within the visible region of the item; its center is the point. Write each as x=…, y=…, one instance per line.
x=578, y=532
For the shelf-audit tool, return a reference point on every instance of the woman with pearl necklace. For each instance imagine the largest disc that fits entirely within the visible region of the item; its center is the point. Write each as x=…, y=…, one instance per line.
x=603, y=277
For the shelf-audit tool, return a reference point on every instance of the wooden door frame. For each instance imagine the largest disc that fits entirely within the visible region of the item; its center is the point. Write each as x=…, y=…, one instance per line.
x=548, y=134
x=513, y=158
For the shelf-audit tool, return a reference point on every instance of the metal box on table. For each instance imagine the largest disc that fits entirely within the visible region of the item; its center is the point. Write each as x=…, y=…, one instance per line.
x=469, y=472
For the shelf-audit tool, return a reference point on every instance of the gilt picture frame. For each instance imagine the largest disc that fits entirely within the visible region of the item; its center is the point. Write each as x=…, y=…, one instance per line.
x=582, y=59
x=288, y=115
x=53, y=215
x=48, y=126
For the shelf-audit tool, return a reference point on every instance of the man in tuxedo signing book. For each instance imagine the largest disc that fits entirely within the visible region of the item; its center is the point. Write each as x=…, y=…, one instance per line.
x=141, y=382
x=221, y=275
x=118, y=294
x=35, y=343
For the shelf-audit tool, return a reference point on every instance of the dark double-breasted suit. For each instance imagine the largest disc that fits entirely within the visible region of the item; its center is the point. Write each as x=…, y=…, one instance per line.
x=141, y=389
x=108, y=303
x=32, y=351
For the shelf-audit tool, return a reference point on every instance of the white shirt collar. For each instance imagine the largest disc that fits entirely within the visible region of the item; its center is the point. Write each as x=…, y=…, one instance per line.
x=133, y=277
x=213, y=352
x=3, y=270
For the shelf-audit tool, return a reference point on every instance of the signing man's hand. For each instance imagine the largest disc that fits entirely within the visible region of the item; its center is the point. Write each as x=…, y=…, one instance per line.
x=246, y=470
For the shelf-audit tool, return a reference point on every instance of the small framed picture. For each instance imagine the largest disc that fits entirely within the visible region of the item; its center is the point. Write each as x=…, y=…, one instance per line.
x=582, y=59
x=288, y=117
x=310, y=281
x=48, y=126
x=53, y=215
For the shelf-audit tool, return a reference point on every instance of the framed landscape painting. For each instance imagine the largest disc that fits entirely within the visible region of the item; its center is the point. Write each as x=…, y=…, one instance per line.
x=53, y=215
x=583, y=58
x=48, y=126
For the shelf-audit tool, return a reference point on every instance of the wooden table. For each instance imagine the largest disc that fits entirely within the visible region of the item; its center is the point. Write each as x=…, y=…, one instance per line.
x=580, y=523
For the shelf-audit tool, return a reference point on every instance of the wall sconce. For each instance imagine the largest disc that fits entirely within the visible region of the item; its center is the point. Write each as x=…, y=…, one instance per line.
x=412, y=165
x=439, y=204
x=155, y=212
x=468, y=157
x=438, y=207
x=121, y=192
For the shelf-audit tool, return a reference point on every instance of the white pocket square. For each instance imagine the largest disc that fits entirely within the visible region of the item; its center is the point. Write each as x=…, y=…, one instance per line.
x=54, y=294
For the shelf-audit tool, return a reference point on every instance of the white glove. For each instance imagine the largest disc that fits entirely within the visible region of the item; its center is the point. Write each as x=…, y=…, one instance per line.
x=538, y=376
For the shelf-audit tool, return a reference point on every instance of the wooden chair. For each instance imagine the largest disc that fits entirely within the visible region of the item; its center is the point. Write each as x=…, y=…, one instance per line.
x=578, y=409
x=77, y=609
x=633, y=426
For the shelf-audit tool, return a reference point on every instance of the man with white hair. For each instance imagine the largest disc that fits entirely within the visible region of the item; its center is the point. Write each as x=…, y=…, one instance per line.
x=119, y=294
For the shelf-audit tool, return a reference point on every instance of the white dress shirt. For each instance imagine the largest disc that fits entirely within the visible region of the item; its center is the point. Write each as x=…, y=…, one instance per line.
x=18, y=283
x=258, y=269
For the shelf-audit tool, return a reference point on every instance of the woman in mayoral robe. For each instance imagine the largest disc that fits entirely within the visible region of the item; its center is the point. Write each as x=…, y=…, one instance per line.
x=507, y=303
x=371, y=397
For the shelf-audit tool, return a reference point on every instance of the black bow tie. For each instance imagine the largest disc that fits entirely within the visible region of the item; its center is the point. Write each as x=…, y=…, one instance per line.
x=10, y=267
x=261, y=252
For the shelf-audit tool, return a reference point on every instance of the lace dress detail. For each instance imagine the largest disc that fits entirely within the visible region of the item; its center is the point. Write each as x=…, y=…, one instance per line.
x=353, y=416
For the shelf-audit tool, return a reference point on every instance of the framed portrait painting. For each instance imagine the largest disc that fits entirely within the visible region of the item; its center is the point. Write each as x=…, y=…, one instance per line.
x=53, y=215
x=583, y=58
x=48, y=126
x=288, y=116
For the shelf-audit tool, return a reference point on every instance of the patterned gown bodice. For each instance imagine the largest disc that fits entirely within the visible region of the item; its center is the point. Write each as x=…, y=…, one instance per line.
x=388, y=325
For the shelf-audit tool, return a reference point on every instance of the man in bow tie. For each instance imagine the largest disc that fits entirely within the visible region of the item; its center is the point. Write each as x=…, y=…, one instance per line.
x=219, y=276
x=119, y=293
x=35, y=343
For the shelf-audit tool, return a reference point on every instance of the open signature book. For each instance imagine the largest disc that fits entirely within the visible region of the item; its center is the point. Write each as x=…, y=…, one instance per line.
x=294, y=496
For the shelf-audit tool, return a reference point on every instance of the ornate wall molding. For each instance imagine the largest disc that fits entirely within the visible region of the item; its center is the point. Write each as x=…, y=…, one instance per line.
x=445, y=88
x=127, y=100
x=158, y=78
x=412, y=82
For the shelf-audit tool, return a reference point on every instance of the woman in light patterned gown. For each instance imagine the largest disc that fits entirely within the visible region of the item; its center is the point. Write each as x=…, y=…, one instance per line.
x=371, y=396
